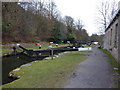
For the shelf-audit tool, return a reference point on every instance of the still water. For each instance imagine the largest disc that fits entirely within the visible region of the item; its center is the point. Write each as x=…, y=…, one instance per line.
x=12, y=62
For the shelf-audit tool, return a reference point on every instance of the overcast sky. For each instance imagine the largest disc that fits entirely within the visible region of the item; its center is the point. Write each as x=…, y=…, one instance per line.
x=86, y=10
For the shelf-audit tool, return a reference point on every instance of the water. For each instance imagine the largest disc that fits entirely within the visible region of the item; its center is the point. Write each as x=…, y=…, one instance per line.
x=12, y=62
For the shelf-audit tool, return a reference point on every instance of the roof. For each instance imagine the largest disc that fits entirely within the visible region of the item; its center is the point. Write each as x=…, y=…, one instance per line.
x=114, y=19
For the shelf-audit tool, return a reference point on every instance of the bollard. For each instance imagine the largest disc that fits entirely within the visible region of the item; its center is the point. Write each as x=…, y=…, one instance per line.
x=14, y=50
x=51, y=54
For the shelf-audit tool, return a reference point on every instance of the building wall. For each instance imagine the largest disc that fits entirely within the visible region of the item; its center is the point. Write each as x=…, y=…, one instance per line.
x=119, y=39
x=112, y=36
x=111, y=39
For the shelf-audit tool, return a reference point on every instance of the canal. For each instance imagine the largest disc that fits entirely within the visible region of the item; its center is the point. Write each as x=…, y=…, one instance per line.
x=12, y=62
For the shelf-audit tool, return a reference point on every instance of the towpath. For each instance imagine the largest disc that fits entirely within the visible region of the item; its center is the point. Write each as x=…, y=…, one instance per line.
x=95, y=72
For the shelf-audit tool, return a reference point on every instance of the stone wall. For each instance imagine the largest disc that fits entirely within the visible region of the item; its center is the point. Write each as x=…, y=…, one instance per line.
x=111, y=42
x=119, y=39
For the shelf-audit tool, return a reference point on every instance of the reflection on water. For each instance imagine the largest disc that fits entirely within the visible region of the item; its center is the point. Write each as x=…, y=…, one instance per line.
x=12, y=62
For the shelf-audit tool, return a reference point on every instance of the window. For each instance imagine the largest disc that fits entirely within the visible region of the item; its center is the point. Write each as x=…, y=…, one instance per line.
x=116, y=30
x=111, y=37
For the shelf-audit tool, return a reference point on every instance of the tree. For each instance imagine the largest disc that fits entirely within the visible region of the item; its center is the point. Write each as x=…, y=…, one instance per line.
x=106, y=12
x=79, y=25
x=79, y=31
x=113, y=10
x=69, y=21
x=84, y=37
x=97, y=38
x=56, y=37
x=94, y=38
x=52, y=11
x=103, y=12
x=33, y=21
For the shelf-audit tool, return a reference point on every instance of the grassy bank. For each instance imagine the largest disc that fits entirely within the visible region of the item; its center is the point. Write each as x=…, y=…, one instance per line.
x=114, y=64
x=47, y=73
x=111, y=59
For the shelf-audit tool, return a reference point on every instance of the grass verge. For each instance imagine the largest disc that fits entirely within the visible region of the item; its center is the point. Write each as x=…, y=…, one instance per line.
x=111, y=59
x=114, y=64
x=47, y=73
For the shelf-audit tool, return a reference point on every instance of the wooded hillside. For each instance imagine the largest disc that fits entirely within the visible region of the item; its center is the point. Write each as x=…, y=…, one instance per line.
x=39, y=21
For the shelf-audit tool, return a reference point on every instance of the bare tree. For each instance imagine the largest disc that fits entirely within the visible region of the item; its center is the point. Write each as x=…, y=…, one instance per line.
x=113, y=10
x=69, y=21
x=103, y=11
x=106, y=12
x=52, y=11
x=79, y=25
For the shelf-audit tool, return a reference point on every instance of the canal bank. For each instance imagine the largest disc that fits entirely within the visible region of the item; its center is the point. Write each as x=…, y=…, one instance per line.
x=12, y=61
x=48, y=73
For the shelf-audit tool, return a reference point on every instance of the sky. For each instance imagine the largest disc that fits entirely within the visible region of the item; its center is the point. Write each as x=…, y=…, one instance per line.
x=86, y=10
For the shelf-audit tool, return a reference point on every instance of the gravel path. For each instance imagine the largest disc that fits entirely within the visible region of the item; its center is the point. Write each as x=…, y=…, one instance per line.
x=95, y=72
